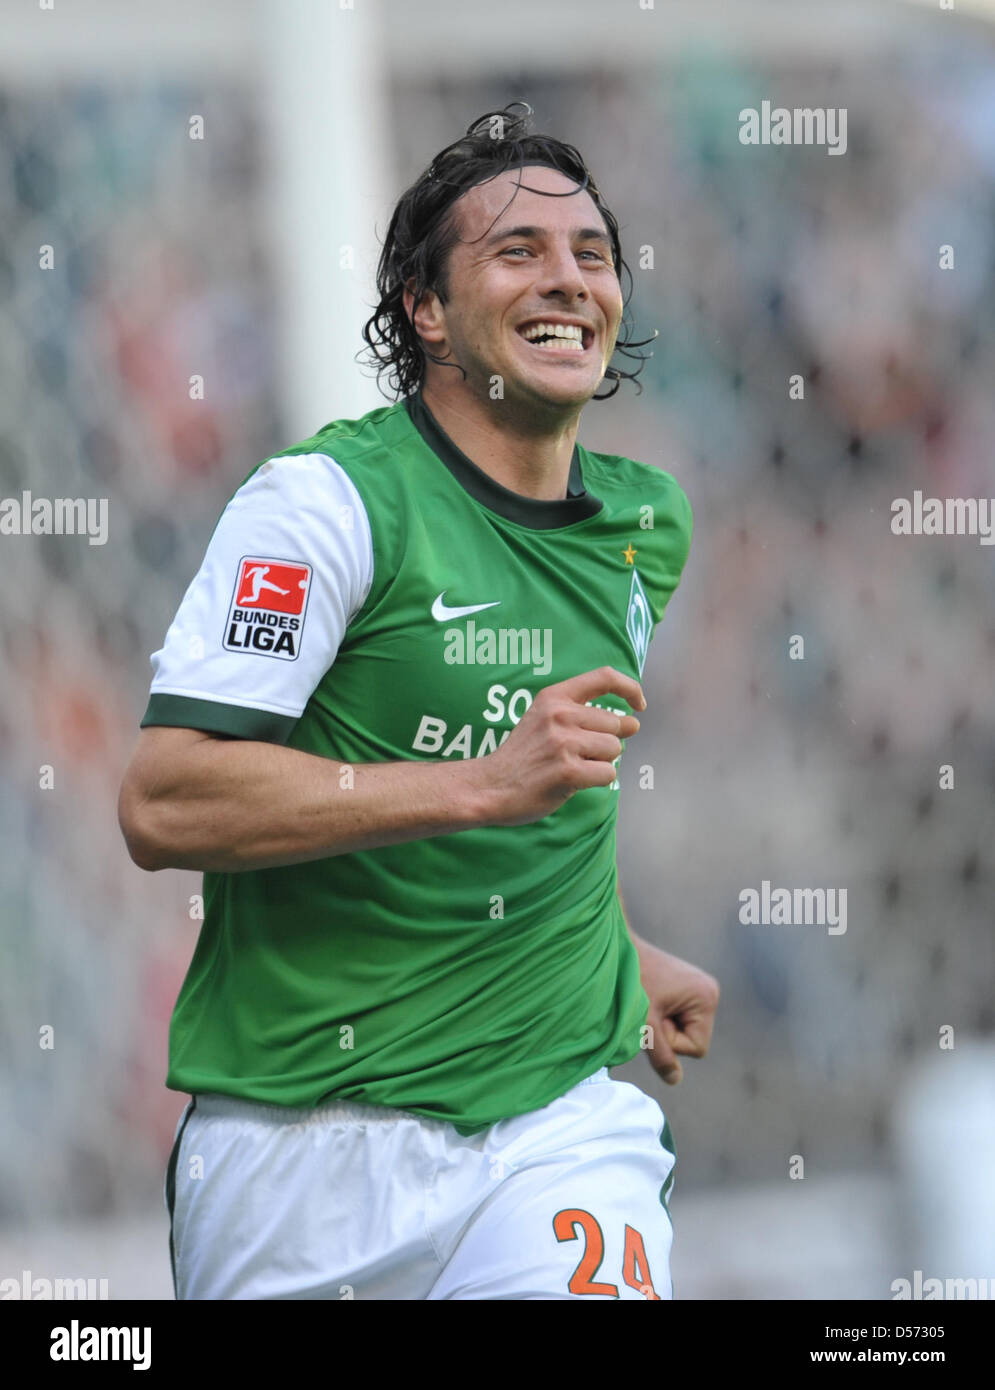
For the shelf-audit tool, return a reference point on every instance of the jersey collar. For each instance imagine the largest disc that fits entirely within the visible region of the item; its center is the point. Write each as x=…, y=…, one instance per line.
x=526, y=511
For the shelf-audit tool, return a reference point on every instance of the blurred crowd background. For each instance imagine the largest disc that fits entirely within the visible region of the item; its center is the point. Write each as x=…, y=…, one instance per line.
x=224, y=257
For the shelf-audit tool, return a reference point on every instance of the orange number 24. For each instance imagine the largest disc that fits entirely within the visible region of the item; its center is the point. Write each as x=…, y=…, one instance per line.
x=635, y=1266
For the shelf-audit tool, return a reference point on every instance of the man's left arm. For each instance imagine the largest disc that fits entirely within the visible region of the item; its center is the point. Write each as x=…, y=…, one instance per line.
x=683, y=1000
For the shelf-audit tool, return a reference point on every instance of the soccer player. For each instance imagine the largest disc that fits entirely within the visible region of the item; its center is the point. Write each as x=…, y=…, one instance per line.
x=385, y=723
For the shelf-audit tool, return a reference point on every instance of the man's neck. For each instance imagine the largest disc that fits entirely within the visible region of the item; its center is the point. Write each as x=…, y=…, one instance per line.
x=530, y=458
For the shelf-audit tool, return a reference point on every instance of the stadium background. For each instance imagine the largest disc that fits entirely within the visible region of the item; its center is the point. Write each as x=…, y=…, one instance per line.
x=247, y=258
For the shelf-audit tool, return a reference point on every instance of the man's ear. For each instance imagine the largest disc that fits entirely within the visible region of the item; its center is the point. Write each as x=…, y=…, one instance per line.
x=429, y=319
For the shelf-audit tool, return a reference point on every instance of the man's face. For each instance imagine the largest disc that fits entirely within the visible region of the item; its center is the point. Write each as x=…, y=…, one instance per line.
x=540, y=262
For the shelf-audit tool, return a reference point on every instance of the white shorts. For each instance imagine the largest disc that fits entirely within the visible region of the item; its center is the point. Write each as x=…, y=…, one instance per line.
x=359, y=1201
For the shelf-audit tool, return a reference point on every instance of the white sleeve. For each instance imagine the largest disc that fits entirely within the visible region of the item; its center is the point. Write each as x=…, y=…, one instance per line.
x=288, y=566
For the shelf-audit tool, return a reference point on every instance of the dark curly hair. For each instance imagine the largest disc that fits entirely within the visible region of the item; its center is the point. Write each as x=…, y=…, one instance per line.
x=422, y=233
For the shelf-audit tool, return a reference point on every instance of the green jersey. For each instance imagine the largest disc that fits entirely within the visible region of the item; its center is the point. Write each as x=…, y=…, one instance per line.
x=371, y=595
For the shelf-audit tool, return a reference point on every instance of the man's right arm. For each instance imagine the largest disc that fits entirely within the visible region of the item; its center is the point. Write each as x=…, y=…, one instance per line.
x=212, y=784
x=193, y=800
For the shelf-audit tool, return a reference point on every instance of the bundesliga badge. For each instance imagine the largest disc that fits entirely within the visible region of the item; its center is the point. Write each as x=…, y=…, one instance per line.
x=267, y=608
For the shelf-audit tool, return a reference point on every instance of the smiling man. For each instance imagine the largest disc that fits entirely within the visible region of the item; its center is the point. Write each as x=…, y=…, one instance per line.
x=386, y=723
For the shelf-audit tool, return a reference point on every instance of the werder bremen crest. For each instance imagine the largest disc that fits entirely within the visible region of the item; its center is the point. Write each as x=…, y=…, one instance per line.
x=638, y=620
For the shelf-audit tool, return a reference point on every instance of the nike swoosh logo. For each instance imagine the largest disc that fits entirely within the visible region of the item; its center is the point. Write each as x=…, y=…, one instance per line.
x=441, y=613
